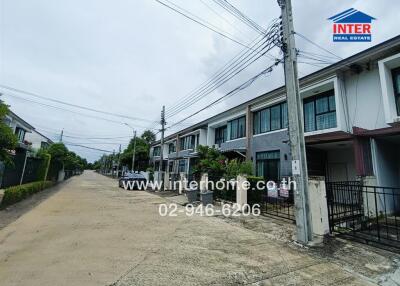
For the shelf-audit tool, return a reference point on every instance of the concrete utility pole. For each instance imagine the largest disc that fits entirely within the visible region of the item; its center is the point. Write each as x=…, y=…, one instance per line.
x=61, y=135
x=296, y=125
x=134, y=151
x=161, y=167
x=119, y=157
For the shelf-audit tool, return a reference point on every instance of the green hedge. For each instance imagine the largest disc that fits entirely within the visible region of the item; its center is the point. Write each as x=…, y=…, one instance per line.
x=44, y=167
x=18, y=193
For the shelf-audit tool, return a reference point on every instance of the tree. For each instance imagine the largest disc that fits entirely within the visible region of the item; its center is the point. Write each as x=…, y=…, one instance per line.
x=58, y=152
x=142, y=151
x=8, y=140
x=235, y=168
x=210, y=161
x=148, y=136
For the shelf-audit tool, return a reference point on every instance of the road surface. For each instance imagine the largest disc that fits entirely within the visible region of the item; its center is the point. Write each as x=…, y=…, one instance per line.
x=92, y=233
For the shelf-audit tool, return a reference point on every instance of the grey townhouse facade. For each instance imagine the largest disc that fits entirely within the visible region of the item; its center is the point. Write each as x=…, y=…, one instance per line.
x=351, y=113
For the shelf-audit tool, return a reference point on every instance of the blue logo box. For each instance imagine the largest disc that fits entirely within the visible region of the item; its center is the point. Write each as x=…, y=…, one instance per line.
x=351, y=38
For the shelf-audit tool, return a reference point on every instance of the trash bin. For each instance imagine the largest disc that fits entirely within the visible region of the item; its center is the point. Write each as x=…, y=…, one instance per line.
x=192, y=195
x=207, y=198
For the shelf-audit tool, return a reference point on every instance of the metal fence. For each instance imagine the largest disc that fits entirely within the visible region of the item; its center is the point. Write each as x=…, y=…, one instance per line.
x=12, y=173
x=277, y=203
x=367, y=213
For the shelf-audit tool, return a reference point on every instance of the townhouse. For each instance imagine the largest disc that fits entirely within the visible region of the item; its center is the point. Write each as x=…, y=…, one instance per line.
x=20, y=128
x=351, y=113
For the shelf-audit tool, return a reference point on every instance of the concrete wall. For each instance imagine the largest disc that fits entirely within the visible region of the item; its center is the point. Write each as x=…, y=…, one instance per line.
x=340, y=165
x=273, y=141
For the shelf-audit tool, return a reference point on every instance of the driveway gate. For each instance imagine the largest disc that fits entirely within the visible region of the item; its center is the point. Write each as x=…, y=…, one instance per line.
x=367, y=213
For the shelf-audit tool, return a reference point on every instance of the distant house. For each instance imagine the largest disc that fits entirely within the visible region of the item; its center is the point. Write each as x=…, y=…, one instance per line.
x=38, y=140
x=20, y=128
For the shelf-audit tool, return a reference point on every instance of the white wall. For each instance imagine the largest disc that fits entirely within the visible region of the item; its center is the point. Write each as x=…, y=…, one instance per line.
x=389, y=105
x=364, y=98
x=386, y=163
x=36, y=139
x=203, y=137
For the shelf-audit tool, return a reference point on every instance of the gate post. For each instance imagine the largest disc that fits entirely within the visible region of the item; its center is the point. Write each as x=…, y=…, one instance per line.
x=318, y=207
x=241, y=190
x=368, y=196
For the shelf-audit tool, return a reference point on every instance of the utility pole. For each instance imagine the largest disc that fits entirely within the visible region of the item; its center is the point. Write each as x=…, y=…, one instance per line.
x=112, y=163
x=134, y=151
x=296, y=125
x=161, y=167
x=61, y=135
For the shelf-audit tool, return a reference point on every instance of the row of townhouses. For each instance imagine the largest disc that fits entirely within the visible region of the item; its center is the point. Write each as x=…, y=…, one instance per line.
x=351, y=115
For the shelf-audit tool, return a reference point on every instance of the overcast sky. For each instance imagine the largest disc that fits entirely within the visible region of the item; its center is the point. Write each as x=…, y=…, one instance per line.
x=131, y=57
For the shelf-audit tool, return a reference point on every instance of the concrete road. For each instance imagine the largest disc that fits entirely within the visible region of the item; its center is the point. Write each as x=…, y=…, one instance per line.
x=92, y=233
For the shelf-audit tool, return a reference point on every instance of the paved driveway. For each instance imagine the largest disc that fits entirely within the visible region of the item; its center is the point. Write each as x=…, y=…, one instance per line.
x=92, y=233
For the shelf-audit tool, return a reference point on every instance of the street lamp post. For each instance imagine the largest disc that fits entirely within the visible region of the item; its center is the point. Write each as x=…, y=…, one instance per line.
x=134, y=151
x=134, y=146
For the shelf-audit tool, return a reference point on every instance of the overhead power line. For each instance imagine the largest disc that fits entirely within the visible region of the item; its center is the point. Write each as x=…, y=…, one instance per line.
x=234, y=91
x=232, y=68
x=318, y=46
x=198, y=21
x=240, y=15
x=87, y=147
x=71, y=111
x=223, y=18
x=98, y=138
x=71, y=104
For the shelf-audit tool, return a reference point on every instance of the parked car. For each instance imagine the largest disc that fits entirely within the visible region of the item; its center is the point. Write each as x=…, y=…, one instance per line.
x=132, y=181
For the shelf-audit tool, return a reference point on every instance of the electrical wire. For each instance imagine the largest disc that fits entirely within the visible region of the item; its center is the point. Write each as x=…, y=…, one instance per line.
x=228, y=72
x=234, y=91
x=273, y=28
x=68, y=110
x=71, y=104
x=315, y=44
x=198, y=21
x=223, y=18
x=87, y=147
x=219, y=83
x=239, y=15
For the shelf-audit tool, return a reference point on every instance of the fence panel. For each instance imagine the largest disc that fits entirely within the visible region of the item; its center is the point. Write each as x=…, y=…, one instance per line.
x=367, y=213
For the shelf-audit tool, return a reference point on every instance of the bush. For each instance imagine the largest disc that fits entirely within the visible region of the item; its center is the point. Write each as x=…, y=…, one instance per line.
x=235, y=168
x=18, y=193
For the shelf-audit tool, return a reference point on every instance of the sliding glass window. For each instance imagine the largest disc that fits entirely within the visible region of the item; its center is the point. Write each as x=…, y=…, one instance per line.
x=271, y=118
x=396, y=87
x=320, y=112
x=237, y=128
x=220, y=135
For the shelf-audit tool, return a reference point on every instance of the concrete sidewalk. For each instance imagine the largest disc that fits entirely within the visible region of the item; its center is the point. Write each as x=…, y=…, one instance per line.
x=91, y=232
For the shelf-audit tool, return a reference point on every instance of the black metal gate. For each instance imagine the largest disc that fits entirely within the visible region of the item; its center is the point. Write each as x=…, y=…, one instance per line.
x=367, y=213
